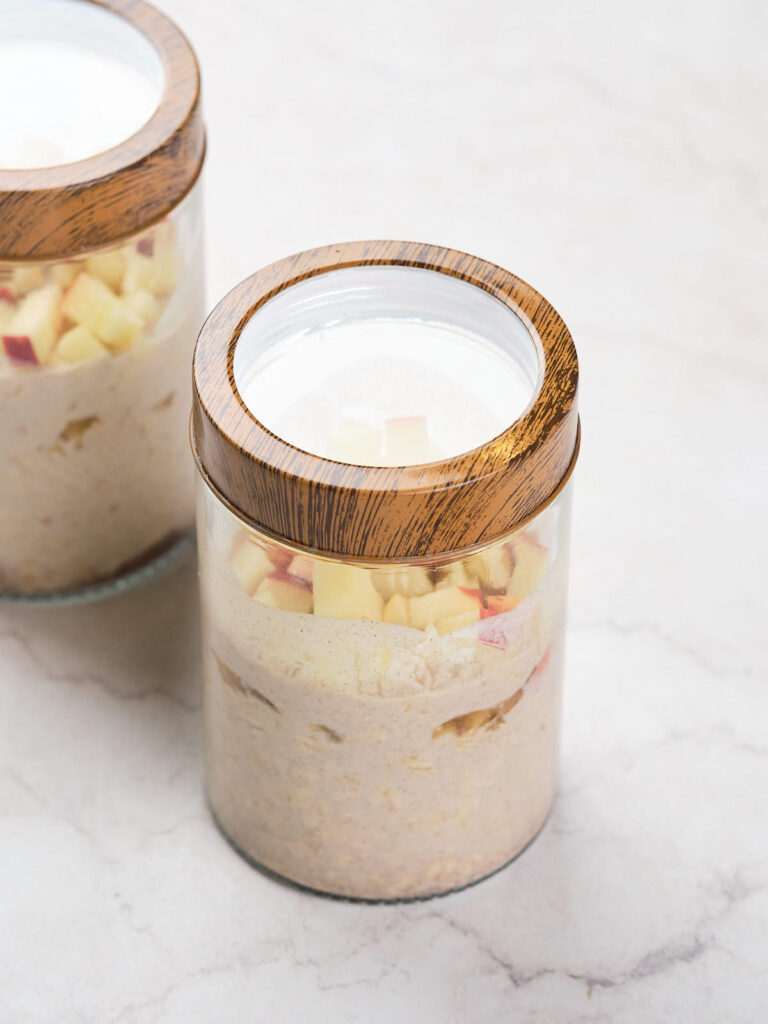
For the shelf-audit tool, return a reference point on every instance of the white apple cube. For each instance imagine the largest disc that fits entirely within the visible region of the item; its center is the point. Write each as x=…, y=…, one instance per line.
x=411, y=581
x=7, y=307
x=492, y=568
x=346, y=592
x=119, y=325
x=355, y=442
x=530, y=565
x=446, y=609
x=279, y=590
x=79, y=345
x=28, y=277
x=397, y=610
x=30, y=334
x=145, y=304
x=109, y=267
x=64, y=273
x=408, y=441
x=452, y=575
x=86, y=300
x=139, y=272
x=250, y=563
x=164, y=259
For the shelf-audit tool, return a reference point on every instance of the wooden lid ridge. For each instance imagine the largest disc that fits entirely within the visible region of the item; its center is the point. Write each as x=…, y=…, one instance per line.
x=385, y=513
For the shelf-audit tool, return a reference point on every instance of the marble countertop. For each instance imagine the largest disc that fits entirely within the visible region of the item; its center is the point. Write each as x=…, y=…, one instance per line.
x=614, y=157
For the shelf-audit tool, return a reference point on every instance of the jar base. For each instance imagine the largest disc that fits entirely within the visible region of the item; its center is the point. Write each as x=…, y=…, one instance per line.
x=291, y=884
x=156, y=565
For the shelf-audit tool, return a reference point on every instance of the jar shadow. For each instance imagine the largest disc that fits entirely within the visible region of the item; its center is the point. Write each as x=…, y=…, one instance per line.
x=142, y=642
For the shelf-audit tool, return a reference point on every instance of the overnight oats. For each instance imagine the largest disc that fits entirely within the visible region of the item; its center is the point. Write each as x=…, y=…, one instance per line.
x=383, y=528
x=101, y=294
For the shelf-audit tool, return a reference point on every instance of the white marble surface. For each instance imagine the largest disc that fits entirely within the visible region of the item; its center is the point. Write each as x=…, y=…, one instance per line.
x=613, y=155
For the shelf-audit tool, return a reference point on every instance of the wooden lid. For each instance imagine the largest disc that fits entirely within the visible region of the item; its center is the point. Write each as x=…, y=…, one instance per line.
x=57, y=212
x=377, y=513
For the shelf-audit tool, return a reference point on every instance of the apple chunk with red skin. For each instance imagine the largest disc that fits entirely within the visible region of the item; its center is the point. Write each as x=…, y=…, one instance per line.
x=497, y=604
x=530, y=565
x=30, y=334
x=300, y=568
x=281, y=590
x=88, y=301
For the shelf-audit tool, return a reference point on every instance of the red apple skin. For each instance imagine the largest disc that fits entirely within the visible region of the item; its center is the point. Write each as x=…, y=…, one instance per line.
x=498, y=604
x=287, y=577
x=279, y=558
x=19, y=350
x=492, y=637
x=146, y=246
x=6, y=295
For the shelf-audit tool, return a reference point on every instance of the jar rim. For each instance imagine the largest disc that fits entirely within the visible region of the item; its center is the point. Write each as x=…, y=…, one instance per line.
x=389, y=513
x=57, y=212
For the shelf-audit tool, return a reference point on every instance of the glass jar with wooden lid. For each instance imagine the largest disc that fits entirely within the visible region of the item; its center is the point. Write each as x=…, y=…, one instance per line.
x=384, y=434
x=101, y=293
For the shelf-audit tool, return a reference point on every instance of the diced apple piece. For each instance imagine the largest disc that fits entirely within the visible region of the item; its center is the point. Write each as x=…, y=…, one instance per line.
x=283, y=591
x=78, y=345
x=497, y=604
x=446, y=609
x=19, y=350
x=452, y=575
x=119, y=326
x=491, y=568
x=139, y=270
x=108, y=267
x=346, y=592
x=86, y=301
x=89, y=302
x=280, y=558
x=250, y=563
x=27, y=277
x=356, y=442
x=410, y=581
x=530, y=563
x=145, y=304
x=301, y=568
x=34, y=326
x=7, y=307
x=64, y=273
x=397, y=610
x=408, y=441
x=163, y=259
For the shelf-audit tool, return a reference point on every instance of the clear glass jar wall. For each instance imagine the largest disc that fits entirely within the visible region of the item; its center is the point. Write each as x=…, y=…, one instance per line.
x=94, y=402
x=382, y=732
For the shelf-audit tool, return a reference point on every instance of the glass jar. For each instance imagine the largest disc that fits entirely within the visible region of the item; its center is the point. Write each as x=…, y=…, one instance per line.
x=101, y=293
x=384, y=433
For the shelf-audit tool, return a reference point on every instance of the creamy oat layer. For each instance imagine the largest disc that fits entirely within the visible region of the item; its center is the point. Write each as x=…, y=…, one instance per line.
x=96, y=476
x=375, y=760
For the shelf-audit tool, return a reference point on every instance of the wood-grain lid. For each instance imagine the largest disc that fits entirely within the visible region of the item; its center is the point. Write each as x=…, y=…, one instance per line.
x=57, y=212
x=383, y=513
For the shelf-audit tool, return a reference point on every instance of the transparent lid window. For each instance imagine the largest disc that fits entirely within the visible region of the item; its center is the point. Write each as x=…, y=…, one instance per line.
x=77, y=79
x=386, y=366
